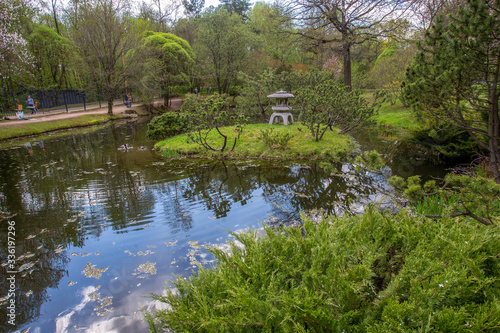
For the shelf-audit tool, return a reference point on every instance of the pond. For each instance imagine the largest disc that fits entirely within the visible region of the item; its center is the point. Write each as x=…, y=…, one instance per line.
x=98, y=221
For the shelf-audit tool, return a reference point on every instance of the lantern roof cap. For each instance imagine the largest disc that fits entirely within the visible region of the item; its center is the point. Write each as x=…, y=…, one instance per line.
x=281, y=94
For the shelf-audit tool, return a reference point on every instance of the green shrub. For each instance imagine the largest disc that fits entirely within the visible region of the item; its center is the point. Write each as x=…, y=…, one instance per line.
x=177, y=91
x=275, y=140
x=461, y=195
x=370, y=273
x=167, y=125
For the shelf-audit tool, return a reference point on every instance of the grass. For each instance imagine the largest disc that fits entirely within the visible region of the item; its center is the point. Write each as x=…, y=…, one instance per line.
x=250, y=145
x=25, y=128
x=394, y=120
x=398, y=116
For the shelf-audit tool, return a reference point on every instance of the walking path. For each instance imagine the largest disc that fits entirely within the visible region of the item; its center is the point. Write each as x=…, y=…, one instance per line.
x=74, y=112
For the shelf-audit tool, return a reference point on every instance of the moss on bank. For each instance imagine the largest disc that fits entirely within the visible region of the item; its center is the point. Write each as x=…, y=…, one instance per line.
x=25, y=128
x=250, y=145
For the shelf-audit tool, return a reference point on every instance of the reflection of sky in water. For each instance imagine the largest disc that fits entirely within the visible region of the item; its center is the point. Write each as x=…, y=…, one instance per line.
x=144, y=239
x=107, y=227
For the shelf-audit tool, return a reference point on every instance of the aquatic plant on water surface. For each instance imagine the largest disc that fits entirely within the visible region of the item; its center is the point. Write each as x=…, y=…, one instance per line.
x=376, y=272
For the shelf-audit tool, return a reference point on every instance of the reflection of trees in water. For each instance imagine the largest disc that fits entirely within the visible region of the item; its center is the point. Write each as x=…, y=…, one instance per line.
x=220, y=185
x=403, y=158
x=308, y=188
x=62, y=192
x=175, y=210
x=288, y=190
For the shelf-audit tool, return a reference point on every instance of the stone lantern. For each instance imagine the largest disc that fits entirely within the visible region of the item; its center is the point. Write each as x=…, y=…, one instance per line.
x=281, y=109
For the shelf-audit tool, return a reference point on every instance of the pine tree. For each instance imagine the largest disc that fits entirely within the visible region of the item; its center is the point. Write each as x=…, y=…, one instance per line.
x=455, y=75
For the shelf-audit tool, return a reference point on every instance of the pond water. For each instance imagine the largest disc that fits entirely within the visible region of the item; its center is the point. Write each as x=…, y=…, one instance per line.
x=98, y=226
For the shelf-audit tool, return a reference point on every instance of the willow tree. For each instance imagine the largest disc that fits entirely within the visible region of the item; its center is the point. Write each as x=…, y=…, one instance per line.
x=455, y=75
x=53, y=54
x=166, y=60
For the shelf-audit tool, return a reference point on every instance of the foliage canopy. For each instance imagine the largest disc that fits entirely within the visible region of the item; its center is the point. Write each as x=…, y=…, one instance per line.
x=455, y=75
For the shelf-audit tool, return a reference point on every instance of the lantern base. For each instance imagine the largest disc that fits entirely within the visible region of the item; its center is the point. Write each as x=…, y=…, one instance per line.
x=284, y=115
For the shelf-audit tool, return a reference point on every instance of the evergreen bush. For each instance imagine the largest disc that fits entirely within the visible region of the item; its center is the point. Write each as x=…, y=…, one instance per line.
x=167, y=125
x=375, y=272
x=275, y=140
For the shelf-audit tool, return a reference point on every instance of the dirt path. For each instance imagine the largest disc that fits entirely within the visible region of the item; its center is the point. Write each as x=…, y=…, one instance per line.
x=62, y=114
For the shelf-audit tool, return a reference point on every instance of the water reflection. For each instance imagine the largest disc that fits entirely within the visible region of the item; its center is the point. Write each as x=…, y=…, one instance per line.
x=99, y=226
x=403, y=158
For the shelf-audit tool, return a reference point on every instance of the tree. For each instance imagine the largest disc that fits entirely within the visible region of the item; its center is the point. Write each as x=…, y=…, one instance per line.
x=193, y=7
x=455, y=75
x=168, y=14
x=166, y=60
x=344, y=22
x=53, y=54
x=223, y=41
x=389, y=70
x=208, y=117
x=268, y=22
x=240, y=7
x=327, y=104
x=14, y=56
x=101, y=38
x=253, y=97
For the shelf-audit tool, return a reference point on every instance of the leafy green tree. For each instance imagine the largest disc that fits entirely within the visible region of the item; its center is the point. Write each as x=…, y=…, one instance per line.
x=253, y=97
x=224, y=42
x=455, y=75
x=186, y=29
x=240, y=7
x=390, y=67
x=101, y=37
x=53, y=54
x=166, y=59
x=269, y=23
x=193, y=7
x=208, y=116
x=327, y=104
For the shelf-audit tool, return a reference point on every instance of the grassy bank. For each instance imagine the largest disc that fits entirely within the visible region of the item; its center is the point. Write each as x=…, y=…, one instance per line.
x=394, y=120
x=25, y=128
x=250, y=145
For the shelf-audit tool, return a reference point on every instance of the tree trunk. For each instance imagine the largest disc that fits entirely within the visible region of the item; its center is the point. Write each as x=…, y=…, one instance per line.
x=347, y=66
x=110, y=105
x=494, y=124
x=54, y=4
x=165, y=97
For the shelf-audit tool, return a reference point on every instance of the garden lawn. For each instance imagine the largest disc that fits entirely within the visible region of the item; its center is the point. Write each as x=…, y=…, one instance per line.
x=25, y=128
x=395, y=120
x=300, y=146
x=397, y=116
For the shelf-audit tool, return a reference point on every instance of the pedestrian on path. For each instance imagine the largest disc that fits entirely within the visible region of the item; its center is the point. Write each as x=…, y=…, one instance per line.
x=31, y=104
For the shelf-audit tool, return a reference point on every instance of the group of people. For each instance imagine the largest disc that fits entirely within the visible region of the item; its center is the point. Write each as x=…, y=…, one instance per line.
x=31, y=106
x=209, y=91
